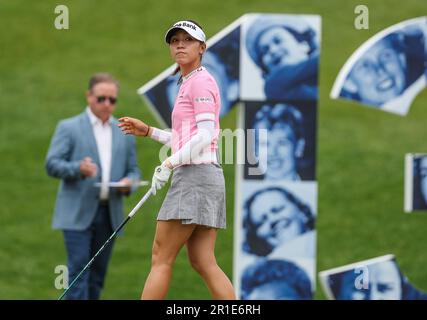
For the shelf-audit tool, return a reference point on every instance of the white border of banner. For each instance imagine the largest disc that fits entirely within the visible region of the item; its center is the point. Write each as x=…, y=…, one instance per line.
x=240, y=154
x=409, y=175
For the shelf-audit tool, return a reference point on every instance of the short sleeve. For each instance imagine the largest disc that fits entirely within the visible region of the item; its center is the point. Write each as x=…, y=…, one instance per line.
x=203, y=96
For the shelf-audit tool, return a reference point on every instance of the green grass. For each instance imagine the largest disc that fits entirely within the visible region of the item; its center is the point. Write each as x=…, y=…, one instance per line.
x=43, y=76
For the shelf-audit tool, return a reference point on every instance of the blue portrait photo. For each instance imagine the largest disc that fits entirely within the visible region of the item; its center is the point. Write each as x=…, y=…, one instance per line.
x=389, y=70
x=276, y=257
x=275, y=217
x=275, y=279
x=374, y=279
x=281, y=141
x=284, y=49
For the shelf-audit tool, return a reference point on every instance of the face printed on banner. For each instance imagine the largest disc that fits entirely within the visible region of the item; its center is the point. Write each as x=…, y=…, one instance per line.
x=282, y=152
x=279, y=141
x=379, y=75
x=278, y=47
x=277, y=219
x=275, y=279
x=423, y=177
x=385, y=281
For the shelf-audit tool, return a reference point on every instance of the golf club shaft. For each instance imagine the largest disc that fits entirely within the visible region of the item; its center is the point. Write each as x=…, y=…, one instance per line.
x=140, y=203
x=130, y=215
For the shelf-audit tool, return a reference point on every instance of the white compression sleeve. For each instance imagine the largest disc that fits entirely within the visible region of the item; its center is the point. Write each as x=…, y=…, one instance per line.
x=161, y=136
x=203, y=138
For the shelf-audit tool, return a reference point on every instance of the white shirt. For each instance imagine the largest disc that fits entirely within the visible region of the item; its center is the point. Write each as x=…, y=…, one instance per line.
x=103, y=136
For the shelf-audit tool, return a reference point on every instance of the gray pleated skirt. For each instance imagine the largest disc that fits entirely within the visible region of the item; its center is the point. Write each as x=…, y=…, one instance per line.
x=196, y=196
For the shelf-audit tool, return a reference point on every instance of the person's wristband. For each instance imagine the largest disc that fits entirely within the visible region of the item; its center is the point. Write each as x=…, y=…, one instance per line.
x=148, y=130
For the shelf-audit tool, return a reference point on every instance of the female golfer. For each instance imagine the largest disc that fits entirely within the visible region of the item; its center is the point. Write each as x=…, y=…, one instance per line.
x=194, y=207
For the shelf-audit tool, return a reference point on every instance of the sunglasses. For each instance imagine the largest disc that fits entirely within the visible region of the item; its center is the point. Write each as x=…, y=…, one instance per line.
x=102, y=99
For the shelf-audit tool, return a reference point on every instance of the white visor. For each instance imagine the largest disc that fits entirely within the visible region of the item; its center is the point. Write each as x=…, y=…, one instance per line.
x=191, y=28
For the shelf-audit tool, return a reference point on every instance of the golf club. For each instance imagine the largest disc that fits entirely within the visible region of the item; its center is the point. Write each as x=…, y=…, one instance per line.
x=130, y=215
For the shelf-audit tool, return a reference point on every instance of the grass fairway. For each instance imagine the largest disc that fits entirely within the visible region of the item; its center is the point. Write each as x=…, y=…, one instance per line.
x=43, y=77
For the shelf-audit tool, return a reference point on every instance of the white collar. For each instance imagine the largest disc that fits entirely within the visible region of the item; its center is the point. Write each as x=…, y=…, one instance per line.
x=94, y=119
x=192, y=73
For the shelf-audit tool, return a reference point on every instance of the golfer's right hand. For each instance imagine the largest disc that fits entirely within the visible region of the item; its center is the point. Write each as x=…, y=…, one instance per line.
x=133, y=126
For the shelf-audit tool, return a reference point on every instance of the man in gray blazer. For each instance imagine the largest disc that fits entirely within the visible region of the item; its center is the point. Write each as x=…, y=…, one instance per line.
x=86, y=149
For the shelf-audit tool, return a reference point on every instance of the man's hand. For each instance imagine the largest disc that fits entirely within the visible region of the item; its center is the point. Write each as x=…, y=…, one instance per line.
x=161, y=176
x=134, y=126
x=88, y=168
x=127, y=184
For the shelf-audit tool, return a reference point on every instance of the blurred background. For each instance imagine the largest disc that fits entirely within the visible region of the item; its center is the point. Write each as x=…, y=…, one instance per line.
x=43, y=78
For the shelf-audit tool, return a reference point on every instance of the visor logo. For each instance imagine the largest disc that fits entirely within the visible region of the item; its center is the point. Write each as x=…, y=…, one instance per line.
x=186, y=24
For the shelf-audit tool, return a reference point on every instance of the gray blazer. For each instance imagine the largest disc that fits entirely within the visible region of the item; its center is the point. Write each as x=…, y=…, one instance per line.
x=77, y=198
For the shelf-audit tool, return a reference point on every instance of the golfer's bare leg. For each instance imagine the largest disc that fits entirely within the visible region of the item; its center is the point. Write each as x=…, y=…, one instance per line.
x=169, y=239
x=201, y=253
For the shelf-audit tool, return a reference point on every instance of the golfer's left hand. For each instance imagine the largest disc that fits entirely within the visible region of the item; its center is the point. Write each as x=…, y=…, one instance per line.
x=161, y=176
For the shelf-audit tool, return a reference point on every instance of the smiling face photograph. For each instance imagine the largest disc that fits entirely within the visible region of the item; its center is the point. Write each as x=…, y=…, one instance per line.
x=389, y=70
x=281, y=141
x=280, y=58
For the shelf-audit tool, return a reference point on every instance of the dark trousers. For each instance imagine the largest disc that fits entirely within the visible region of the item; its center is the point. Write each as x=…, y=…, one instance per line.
x=81, y=247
